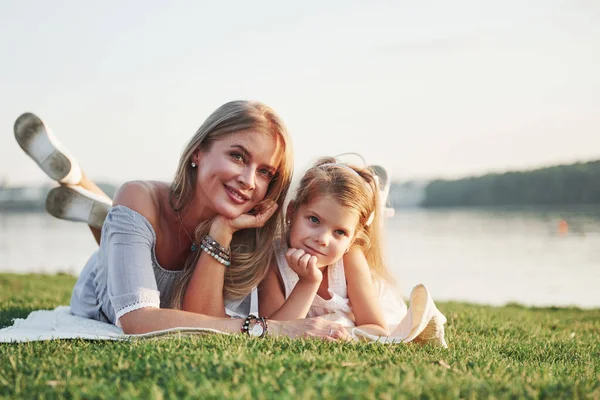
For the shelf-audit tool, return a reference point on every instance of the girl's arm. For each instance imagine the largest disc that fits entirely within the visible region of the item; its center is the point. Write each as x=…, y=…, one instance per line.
x=361, y=292
x=272, y=302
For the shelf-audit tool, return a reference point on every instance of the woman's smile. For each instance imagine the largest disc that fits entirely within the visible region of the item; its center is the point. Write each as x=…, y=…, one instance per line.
x=237, y=196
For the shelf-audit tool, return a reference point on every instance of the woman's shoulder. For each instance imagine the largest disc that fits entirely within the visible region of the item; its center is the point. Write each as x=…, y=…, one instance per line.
x=143, y=197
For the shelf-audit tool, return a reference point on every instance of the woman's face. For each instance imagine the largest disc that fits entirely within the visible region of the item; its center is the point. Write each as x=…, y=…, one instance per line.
x=234, y=174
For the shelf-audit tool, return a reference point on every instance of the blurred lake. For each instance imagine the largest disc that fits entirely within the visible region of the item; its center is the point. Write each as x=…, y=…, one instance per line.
x=489, y=256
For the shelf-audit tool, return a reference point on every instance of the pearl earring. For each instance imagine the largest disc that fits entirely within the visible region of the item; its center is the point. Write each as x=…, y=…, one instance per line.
x=193, y=164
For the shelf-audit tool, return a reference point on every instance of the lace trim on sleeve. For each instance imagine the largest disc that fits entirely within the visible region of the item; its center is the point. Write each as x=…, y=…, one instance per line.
x=132, y=307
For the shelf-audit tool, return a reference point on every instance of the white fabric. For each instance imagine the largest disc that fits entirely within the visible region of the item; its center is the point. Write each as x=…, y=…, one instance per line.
x=423, y=323
x=243, y=307
x=61, y=324
x=254, y=302
x=337, y=308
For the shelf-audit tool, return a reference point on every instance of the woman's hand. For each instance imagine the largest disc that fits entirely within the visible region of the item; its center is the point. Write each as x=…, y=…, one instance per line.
x=244, y=221
x=304, y=265
x=309, y=328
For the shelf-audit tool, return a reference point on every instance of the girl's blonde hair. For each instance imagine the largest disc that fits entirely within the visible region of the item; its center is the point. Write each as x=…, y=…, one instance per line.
x=251, y=249
x=357, y=189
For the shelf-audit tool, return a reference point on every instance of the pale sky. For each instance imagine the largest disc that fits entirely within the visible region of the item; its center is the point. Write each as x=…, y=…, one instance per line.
x=428, y=89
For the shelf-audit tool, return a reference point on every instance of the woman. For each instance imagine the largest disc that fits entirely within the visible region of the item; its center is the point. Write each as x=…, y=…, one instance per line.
x=160, y=238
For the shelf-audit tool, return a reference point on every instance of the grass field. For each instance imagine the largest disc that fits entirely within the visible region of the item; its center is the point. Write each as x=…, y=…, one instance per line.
x=499, y=352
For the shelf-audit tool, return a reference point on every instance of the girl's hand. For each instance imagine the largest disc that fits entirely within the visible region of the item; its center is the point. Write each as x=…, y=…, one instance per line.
x=245, y=221
x=304, y=265
x=309, y=328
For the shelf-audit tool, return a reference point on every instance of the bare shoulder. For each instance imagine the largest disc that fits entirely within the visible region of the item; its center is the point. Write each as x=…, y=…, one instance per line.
x=355, y=260
x=143, y=197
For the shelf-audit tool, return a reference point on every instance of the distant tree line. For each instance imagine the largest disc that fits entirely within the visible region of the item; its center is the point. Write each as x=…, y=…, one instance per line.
x=559, y=185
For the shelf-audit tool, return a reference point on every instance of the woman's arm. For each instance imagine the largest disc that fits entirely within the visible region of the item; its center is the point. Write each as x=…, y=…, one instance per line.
x=149, y=319
x=145, y=320
x=361, y=292
x=142, y=197
x=204, y=294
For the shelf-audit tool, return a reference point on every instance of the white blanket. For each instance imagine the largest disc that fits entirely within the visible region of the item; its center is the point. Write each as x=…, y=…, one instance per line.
x=61, y=324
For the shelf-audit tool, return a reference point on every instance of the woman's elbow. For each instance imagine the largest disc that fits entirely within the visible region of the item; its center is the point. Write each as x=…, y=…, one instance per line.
x=138, y=321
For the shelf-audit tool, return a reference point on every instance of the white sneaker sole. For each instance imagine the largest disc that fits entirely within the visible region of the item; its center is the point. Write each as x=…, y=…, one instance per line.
x=36, y=139
x=74, y=203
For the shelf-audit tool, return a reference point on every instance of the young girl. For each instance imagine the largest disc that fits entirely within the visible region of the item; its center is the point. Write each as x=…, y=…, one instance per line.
x=330, y=263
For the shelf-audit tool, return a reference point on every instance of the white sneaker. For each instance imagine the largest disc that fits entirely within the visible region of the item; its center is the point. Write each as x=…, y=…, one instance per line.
x=74, y=203
x=36, y=139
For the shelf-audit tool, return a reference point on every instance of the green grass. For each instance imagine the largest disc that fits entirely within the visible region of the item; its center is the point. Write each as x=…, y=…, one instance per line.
x=498, y=352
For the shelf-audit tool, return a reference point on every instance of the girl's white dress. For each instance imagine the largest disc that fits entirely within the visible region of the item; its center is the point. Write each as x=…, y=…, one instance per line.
x=338, y=307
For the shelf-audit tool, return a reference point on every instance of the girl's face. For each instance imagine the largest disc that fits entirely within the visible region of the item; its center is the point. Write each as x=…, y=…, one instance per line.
x=323, y=228
x=234, y=175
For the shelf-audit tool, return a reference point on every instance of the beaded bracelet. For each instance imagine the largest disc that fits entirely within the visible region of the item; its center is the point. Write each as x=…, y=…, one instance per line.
x=216, y=244
x=209, y=248
x=216, y=251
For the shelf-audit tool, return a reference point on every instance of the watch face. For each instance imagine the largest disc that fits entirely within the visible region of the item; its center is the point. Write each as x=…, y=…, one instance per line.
x=256, y=330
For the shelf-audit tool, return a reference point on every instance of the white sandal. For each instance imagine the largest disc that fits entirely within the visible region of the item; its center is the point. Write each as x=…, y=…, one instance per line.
x=36, y=139
x=74, y=203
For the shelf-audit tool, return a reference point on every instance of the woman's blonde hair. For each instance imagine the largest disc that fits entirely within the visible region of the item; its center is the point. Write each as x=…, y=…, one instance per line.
x=355, y=188
x=251, y=249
